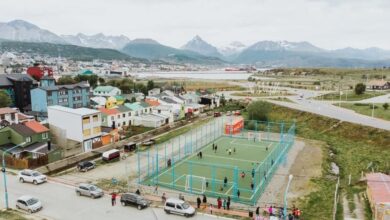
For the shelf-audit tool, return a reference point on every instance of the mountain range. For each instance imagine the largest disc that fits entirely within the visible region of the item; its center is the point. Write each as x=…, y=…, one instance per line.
x=197, y=50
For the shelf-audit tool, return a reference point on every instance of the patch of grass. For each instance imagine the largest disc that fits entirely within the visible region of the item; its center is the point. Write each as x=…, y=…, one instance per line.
x=107, y=185
x=349, y=96
x=283, y=99
x=11, y=215
x=354, y=147
x=366, y=109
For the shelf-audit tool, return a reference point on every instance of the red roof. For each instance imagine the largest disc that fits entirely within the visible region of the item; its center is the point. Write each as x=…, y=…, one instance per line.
x=36, y=126
x=111, y=111
x=152, y=102
x=378, y=185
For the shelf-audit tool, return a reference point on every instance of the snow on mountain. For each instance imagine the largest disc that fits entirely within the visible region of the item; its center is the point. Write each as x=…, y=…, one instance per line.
x=285, y=46
x=200, y=46
x=233, y=48
x=19, y=30
x=97, y=41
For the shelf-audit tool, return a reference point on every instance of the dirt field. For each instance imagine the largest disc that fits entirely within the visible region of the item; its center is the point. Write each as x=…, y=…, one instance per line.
x=303, y=162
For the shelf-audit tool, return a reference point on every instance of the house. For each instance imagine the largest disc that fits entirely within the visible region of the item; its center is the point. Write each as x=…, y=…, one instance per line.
x=212, y=101
x=154, y=91
x=18, y=87
x=109, y=135
x=75, y=130
x=8, y=116
x=169, y=98
x=106, y=91
x=49, y=94
x=117, y=117
x=35, y=136
x=139, y=108
x=378, y=194
x=98, y=102
x=165, y=110
x=138, y=96
x=378, y=85
x=151, y=120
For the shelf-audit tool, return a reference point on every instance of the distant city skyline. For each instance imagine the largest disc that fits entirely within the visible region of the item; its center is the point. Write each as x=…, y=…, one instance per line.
x=329, y=24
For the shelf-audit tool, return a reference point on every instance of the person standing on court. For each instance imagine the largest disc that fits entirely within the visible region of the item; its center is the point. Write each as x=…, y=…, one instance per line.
x=224, y=204
x=215, y=149
x=204, y=198
x=225, y=180
x=228, y=203
x=238, y=193
x=253, y=172
x=198, y=202
x=200, y=154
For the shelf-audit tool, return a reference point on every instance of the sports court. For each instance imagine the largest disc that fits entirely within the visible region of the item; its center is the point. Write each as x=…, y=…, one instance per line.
x=246, y=159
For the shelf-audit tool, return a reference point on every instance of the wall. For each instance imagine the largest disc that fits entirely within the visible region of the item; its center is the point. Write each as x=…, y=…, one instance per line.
x=67, y=121
x=4, y=134
x=38, y=100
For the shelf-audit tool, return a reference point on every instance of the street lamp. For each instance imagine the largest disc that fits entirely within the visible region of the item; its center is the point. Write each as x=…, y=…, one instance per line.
x=4, y=174
x=290, y=177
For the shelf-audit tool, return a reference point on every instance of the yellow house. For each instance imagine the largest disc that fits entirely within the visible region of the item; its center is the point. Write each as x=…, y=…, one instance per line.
x=111, y=102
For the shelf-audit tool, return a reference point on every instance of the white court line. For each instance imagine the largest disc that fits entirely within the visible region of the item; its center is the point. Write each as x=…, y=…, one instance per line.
x=177, y=179
x=249, y=161
x=248, y=145
x=228, y=190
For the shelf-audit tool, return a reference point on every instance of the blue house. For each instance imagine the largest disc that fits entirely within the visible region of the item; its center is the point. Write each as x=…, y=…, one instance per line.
x=48, y=94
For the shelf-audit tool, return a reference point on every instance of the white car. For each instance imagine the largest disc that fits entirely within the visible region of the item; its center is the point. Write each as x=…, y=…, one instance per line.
x=180, y=207
x=28, y=203
x=31, y=176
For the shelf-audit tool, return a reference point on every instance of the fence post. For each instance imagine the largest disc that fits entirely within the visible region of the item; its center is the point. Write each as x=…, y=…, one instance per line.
x=335, y=199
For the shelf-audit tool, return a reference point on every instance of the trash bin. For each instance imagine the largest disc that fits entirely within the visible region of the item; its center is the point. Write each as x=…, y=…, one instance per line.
x=251, y=214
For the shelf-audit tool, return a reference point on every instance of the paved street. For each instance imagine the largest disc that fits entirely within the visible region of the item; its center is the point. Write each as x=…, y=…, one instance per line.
x=61, y=202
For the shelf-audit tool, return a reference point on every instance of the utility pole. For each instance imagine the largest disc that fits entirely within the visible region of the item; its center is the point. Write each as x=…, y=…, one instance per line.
x=372, y=112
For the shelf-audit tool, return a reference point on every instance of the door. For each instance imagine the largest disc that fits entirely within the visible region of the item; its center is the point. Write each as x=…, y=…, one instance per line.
x=22, y=205
x=179, y=209
x=87, y=145
x=27, y=177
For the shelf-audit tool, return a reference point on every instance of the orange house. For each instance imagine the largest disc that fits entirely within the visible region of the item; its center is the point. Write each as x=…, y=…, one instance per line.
x=234, y=125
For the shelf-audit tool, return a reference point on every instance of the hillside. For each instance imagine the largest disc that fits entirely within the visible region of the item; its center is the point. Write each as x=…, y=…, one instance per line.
x=154, y=50
x=67, y=51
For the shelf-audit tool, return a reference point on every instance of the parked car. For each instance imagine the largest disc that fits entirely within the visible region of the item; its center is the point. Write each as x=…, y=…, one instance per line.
x=237, y=113
x=89, y=190
x=31, y=176
x=86, y=165
x=111, y=155
x=180, y=207
x=131, y=146
x=134, y=200
x=28, y=203
x=217, y=114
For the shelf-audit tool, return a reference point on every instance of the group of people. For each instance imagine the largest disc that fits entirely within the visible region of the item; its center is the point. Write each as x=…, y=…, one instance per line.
x=215, y=147
x=225, y=203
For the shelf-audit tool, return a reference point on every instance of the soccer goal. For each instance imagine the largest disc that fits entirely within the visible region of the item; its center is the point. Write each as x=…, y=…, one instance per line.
x=195, y=184
x=254, y=136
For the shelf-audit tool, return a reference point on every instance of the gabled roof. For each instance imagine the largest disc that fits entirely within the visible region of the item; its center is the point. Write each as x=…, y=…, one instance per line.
x=111, y=111
x=122, y=108
x=36, y=126
x=58, y=87
x=144, y=104
x=134, y=106
x=104, y=88
x=22, y=130
x=7, y=110
x=152, y=102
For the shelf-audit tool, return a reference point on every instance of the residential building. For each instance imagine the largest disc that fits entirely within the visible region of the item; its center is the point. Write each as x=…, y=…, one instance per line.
x=106, y=91
x=154, y=91
x=117, y=117
x=378, y=194
x=35, y=136
x=378, y=84
x=80, y=125
x=139, y=108
x=138, y=96
x=151, y=120
x=8, y=116
x=166, y=110
x=212, y=101
x=49, y=94
x=18, y=87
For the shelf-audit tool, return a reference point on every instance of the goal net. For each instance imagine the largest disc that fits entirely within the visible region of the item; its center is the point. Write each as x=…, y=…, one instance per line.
x=254, y=136
x=196, y=184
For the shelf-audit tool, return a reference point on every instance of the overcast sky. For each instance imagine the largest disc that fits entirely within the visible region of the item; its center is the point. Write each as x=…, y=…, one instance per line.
x=325, y=23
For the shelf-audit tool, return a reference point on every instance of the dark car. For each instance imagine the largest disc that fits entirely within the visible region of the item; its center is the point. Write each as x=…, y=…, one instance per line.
x=86, y=165
x=149, y=142
x=134, y=200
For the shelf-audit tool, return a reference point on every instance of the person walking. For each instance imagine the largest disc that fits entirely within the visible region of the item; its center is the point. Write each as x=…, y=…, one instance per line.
x=253, y=172
x=200, y=155
x=215, y=149
x=204, y=198
x=113, y=199
x=224, y=204
x=238, y=193
x=252, y=186
x=258, y=210
x=228, y=203
x=163, y=198
x=225, y=180
x=270, y=211
x=198, y=202
x=155, y=190
x=219, y=202
x=137, y=192
x=211, y=208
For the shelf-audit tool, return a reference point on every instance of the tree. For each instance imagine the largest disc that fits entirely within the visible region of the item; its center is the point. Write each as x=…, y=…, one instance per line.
x=65, y=80
x=5, y=100
x=259, y=110
x=360, y=88
x=386, y=106
x=101, y=80
x=150, y=85
x=133, y=99
x=223, y=100
x=92, y=79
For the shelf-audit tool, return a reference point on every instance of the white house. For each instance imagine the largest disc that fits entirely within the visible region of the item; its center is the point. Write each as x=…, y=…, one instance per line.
x=154, y=91
x=165, y=110
x=82, y=125
x=151, y=120
x=8, y=116
x=106, y=91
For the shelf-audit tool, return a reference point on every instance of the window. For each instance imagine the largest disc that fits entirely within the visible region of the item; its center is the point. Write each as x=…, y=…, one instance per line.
x=86, y=132
x=170, y=205
x=48, y=93
x=28, y=139
x=13, y=116
x=63, y=92
x=62, y=100
x=44, y=135
x=86, y=120
x=124, y=123
x=96, y=130
x=77, y=91
x=95, y=118
x=129, y=123
x=178, y=206
x=112, y=118
x=123, y=115
x=129, y=114
x=77, y=98
x=119, y=116
x=159, y=111
x=2, y=117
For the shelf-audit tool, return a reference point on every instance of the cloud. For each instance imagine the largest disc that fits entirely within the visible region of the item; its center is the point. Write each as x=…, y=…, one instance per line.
x=326, y=23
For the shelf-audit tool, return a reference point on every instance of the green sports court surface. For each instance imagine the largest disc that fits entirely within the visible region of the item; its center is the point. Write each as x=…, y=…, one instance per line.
x=214, y=166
